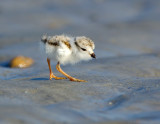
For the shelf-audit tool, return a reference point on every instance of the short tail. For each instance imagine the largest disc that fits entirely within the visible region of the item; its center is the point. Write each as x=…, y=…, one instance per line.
x=44, y=38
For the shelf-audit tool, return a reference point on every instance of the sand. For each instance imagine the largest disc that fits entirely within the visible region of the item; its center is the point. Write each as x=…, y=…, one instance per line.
x=123, y=82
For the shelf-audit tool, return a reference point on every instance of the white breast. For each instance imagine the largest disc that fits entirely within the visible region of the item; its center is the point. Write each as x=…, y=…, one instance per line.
x=59, y=53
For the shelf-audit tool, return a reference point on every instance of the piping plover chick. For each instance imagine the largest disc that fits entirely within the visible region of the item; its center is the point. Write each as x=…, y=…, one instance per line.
x=67, y=50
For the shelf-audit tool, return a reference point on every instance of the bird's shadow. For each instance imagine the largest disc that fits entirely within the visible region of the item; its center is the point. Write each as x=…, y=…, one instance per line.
x=39, y=79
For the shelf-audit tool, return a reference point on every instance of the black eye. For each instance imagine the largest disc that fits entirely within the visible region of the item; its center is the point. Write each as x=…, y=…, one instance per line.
x=83, y=49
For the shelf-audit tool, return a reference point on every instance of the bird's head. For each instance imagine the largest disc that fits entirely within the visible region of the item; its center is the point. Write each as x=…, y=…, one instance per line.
x=85, y=47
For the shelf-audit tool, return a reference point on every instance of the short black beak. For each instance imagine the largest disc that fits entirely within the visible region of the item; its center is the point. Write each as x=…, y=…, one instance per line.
x=93, y=55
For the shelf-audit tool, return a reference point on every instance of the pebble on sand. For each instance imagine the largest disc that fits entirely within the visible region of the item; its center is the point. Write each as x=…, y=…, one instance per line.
x=21, y=62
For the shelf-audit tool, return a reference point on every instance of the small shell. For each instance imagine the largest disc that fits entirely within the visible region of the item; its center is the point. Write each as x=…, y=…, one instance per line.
x=21, y=62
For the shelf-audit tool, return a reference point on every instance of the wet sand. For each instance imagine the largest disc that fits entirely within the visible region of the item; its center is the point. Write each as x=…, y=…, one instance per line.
x=123, y=82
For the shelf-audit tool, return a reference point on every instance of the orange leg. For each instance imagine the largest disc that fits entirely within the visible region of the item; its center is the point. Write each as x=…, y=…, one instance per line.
x=51, y=73
x=68, y=76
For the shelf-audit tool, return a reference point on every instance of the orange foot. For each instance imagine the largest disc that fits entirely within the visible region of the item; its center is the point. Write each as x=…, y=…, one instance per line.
x=76, y=80
x=55, y=77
